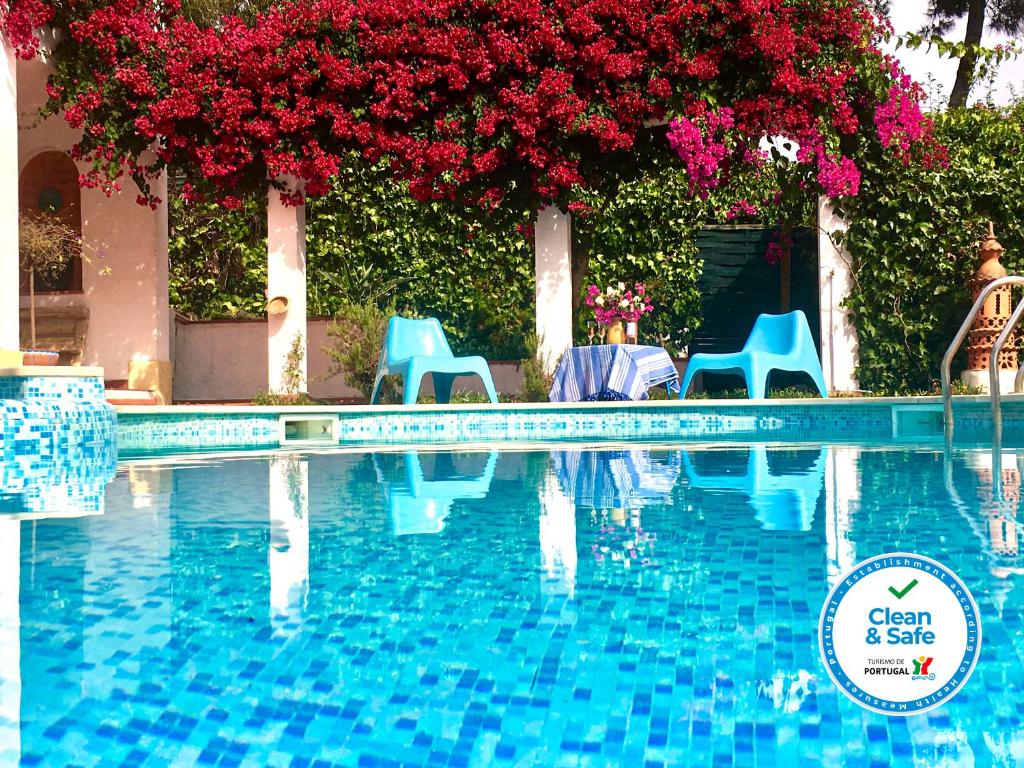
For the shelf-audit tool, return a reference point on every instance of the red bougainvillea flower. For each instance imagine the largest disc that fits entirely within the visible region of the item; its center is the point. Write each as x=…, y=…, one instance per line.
x=489, y=102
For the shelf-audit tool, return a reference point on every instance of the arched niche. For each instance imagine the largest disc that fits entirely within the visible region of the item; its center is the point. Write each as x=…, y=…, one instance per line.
x=49, y=184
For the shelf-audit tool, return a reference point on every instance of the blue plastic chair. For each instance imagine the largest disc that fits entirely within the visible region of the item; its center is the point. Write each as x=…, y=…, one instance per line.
x=413, y=348
x=782, y=502
x=777, y=342
x=421, y=506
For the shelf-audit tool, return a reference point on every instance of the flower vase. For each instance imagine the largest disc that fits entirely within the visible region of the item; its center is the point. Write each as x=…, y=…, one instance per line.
x=616, y=333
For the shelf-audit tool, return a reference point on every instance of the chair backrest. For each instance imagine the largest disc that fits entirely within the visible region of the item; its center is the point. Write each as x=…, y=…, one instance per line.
x=407, y=337
x=779, y=334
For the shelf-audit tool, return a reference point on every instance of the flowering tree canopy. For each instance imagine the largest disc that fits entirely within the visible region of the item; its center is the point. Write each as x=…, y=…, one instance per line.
x=489, y=102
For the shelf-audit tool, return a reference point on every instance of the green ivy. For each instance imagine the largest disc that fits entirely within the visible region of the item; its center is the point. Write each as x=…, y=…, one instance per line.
x=218, y=259
x=913, y=238
x=370, y=242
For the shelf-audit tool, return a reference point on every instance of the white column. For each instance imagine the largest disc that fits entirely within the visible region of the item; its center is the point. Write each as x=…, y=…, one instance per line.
x=835, y=282
x=553, y=252
x=164, y=324
x=9, y=299
x=10, y=642
x=286, y=278
x=288, y=558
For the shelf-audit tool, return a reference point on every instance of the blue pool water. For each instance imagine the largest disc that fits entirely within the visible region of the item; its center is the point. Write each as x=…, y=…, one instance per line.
x=645, y=607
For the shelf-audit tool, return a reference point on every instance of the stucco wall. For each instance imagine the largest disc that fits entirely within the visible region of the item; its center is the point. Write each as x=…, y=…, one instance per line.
x=227, y=360
x=128, y=311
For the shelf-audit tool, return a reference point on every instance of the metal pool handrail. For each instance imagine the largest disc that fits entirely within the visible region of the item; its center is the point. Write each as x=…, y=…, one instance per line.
x=947, y=360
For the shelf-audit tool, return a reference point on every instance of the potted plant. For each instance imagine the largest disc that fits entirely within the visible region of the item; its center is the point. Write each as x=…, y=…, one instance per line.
x=46, y=247
x=617, y=304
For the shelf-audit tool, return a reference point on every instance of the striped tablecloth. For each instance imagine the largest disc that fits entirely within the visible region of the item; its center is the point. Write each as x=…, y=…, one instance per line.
x=610, y=372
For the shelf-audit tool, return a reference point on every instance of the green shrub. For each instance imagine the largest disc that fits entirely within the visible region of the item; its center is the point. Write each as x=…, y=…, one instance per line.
x=913, y=239
x=274, y=398
x=536, y=381
x=357, y=337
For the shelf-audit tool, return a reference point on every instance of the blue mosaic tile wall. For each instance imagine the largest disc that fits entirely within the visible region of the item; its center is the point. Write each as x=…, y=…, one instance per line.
x=142, y=433
x=57, y=443
x=147, y=433
x=633, y=423
x=52, y=388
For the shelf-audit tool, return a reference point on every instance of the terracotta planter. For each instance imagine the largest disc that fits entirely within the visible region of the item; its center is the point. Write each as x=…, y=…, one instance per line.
x=39, y=357
x=616, y=333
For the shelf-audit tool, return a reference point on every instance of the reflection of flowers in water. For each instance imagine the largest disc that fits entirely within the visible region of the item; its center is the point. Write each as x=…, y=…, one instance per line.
x=620, y=540
x=787, y=691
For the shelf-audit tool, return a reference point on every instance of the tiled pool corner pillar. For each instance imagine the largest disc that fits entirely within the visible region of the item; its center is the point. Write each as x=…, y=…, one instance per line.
x=55, y=426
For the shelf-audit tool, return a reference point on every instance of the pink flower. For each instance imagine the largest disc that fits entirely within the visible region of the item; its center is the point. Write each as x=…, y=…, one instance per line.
x=700, y=147
x=838, y=177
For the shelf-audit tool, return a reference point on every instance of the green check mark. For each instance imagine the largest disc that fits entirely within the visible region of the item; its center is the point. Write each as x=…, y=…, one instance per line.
x=901, y=593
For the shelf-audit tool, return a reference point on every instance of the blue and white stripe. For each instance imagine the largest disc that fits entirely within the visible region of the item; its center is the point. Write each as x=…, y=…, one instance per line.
x=628, y=369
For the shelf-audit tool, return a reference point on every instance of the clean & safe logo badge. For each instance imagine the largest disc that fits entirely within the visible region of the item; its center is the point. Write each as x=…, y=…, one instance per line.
x=900, y=634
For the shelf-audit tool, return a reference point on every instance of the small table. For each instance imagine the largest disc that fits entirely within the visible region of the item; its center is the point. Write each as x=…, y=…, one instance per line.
x=611, y=372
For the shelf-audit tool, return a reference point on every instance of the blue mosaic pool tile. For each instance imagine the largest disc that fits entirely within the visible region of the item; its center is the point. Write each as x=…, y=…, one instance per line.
x=57, y=443
x=145, y=433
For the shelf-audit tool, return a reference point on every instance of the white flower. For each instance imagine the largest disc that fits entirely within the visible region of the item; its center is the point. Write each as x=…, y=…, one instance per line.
x=624, y=304
x=599, y=301
x=622, y=286
x=609, y=290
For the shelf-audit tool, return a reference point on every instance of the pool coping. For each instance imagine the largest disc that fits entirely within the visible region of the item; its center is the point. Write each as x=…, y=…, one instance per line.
x=703, y=404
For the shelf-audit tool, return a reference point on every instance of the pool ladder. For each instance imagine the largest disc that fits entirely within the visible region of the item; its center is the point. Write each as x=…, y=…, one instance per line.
x=993, y=362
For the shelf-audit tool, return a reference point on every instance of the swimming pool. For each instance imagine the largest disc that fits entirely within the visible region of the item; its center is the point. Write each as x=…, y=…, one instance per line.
x=634, y=605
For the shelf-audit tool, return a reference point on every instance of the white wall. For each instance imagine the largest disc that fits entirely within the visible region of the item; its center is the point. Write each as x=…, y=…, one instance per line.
x=227, y=360
x=8, y=198
x=128, y=309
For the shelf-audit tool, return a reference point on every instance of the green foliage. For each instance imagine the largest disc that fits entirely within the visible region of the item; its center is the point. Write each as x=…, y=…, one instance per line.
x=462, y=396
x=274, y=398
x=218, y=259
x=536, y=381
x=646, y=234
x=292, y=377
x=740, y=393
x=434, y=258
x=368, y=242
x=357, y=337
x=913, y=238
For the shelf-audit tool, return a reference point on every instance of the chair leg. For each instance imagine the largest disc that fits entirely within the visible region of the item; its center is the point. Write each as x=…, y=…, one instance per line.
x=819, y=381
x=488, y=380
x=691, y=371
x=757, y=383
x=376, y=388
x=443, y=387
x=411, y=387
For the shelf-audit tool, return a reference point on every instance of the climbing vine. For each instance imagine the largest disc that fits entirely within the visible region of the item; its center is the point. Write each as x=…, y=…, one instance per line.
x=493, y=103
x=913, y=238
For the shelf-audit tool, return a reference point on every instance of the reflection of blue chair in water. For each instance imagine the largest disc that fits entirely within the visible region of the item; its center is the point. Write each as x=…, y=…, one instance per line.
x=784, y=501
x=414, y=348
x=777, y=342
x=418, y=505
